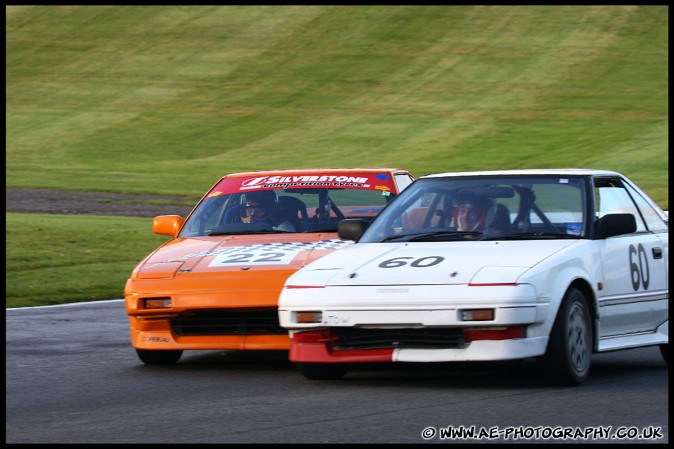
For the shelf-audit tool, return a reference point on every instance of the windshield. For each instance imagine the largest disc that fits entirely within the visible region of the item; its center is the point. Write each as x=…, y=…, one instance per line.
x=288, y=204
x=485, y=207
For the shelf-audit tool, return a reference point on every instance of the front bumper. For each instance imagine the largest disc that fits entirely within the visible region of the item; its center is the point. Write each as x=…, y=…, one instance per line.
x=480, y=350
x=415, y=323
x=184, y=332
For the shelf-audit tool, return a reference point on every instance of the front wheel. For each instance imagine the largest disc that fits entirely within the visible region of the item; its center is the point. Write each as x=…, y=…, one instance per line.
x=322, y=371
x=152, y=357
x=568, y=356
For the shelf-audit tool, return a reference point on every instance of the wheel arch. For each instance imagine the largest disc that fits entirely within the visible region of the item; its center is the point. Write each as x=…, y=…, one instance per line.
x=554, y=283
x=591, y=302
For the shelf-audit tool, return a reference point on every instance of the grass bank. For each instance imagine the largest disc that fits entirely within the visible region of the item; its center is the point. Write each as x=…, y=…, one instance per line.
x=55, y=259
x=166, y=99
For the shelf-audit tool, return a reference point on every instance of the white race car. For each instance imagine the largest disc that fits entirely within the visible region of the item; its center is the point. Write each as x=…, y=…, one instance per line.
x=556, y=264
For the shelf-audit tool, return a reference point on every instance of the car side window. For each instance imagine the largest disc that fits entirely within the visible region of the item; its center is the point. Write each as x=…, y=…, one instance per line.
x=653, y=220
x=402, y=181
x=612, y=198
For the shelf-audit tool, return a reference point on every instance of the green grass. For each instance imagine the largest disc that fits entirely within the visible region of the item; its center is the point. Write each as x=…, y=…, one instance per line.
x=52, y=259
x=166, y=99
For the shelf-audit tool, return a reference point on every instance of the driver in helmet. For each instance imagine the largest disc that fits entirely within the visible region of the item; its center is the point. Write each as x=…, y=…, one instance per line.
x=262, y=207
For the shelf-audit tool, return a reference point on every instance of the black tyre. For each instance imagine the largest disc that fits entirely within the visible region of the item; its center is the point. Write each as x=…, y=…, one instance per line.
x=151, y=357
x=322, y=371
x=569, y=354
x=664, y=350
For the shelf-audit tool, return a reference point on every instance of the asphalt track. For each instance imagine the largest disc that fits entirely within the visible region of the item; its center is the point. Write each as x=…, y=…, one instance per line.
x=72, y=377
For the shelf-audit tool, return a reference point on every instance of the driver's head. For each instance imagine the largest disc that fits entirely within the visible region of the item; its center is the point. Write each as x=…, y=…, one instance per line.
x=469, y=211
x=258, y=205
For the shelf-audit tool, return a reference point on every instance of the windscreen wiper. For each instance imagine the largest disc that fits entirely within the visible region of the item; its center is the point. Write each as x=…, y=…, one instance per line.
x=252, y=231
x=534, y=235
x=421, y=236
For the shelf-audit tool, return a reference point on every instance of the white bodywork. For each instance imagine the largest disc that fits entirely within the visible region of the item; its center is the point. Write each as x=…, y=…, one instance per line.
x=427, y=284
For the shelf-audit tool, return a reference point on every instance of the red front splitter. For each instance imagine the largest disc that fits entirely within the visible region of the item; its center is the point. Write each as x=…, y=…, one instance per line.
x=319, y=353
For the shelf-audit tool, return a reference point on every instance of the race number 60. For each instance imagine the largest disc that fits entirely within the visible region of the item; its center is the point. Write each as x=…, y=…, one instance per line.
x=639, y=271
x=421, y=262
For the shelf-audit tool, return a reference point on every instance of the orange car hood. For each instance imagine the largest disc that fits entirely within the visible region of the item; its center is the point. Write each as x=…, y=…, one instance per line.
x=216, y=254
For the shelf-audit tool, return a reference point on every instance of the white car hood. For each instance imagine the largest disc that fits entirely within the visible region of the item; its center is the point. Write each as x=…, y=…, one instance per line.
x=437, y=263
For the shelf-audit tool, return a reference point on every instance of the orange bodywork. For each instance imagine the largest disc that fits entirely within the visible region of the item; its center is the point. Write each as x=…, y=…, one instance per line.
x=198, y=293
x=220, y=292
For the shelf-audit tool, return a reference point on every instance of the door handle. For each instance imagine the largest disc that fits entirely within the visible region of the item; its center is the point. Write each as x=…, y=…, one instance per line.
x=657, y=253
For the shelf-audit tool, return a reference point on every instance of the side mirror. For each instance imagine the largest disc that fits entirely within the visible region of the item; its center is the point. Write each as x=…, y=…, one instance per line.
x=167, y=225
x=351, y=228
x=616, y=224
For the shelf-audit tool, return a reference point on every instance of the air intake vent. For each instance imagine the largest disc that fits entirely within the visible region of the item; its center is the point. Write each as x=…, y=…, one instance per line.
x=228, y=323
x=358, y=338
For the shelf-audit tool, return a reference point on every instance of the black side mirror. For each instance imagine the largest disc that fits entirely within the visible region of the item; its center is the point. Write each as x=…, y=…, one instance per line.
x=616, y=224
x=351, y=228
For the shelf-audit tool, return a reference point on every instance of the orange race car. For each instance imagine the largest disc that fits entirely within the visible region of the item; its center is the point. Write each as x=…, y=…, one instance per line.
x=215, y=284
